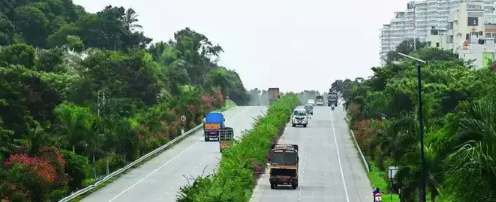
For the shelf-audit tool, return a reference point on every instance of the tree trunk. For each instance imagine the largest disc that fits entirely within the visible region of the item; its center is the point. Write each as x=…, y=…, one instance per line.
x=433, y=194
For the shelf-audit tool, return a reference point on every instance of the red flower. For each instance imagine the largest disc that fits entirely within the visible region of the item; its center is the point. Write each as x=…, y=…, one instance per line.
x=42, y=168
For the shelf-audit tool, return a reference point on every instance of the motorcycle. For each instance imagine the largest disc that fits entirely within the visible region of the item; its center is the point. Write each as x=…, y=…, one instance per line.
x=377, y=197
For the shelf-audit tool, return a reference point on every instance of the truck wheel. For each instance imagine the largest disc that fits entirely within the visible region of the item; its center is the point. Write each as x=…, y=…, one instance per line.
x=273, y=185
x=294, y=125
x=294, y=185
x=305, y=125
x=220, y=150
x=206, y=139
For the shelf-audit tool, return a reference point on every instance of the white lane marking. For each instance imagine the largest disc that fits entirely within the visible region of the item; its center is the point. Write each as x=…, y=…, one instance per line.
x=339, y=159
x=304, y=166
x=163, y=165
x=154, y=171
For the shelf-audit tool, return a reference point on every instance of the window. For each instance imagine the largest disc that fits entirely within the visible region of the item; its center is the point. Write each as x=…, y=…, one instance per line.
x=473, y=21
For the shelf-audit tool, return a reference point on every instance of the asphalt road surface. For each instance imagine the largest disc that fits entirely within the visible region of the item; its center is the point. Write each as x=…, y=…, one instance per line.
x=330, y=168
x=160, y=178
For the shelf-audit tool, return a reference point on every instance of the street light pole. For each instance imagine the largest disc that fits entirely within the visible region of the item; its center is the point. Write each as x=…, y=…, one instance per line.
x=421, y=125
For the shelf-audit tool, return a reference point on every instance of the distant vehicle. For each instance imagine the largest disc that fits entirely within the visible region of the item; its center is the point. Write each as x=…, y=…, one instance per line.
x=332, y=98
x=299, y=117
x=283, y=168
x=273, y=95
x=311, y=101
x=319, y=100
x=309, y=108
x=214, y=122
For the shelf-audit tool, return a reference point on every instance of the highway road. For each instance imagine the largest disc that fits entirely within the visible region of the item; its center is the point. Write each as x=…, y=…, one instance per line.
x=330, y=167
x=160, y=178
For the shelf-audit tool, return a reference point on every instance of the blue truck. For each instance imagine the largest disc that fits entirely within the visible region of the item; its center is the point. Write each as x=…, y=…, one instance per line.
x=213, y=124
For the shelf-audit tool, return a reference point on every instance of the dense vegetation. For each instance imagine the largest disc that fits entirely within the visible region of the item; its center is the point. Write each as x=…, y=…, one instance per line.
x=242, y=164
x=78, y=89
x=459, y=107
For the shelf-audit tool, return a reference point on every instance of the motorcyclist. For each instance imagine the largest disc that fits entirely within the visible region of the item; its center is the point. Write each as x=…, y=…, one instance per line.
x=376, y=191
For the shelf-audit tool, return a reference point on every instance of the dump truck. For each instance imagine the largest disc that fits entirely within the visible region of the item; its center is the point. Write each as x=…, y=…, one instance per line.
x=283, y=168
x=319, y=100
x=332, y=98
x=273, y=95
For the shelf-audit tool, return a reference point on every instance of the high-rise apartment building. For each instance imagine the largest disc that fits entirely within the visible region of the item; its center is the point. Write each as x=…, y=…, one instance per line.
x=471, y=33
x=421, y=16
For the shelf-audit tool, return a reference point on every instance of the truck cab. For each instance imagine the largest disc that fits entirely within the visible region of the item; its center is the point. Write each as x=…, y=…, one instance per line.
x=332, y=99
x=213, y=123
x=283, y=168
x=319, y=100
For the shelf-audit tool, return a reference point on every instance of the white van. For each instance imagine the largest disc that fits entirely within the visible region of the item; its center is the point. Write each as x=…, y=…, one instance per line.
x=299, y=117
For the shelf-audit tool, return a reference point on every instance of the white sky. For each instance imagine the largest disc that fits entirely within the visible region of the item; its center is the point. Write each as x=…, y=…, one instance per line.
x=290, y=44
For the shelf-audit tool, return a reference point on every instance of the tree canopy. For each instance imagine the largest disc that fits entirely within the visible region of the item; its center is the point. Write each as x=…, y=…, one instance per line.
x=459, y=110
x=77, y=88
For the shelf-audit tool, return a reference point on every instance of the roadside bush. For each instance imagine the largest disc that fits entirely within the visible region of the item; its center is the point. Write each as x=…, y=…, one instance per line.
x=241, y=163
x=115, y=163
x=77, y=167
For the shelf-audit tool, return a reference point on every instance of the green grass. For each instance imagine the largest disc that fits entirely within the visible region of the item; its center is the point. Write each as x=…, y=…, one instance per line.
x=376, y=178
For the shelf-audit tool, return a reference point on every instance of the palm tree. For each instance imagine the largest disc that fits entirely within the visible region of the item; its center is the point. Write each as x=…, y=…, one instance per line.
x=408, y=174
x=471, y=170
x=130, y=20
x=398, y=140
x=394, y=139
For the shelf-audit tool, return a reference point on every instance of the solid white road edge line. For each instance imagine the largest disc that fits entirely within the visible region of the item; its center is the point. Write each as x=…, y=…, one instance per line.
x=339, y=159
x=163, y=165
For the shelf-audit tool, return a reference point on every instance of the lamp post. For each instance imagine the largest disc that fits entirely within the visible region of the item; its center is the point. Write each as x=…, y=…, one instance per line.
x=421, y=125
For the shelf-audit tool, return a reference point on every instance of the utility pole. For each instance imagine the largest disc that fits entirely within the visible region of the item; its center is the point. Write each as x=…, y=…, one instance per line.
x=102, y=103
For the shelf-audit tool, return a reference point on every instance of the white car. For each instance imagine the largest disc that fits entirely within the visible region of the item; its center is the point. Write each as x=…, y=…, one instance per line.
x=299, y=117
x=311, y=101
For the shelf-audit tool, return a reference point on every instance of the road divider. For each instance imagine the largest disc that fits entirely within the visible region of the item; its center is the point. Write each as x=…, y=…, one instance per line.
x=242, y=163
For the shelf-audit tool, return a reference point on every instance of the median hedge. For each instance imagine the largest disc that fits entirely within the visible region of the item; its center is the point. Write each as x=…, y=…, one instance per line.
x=243, y=162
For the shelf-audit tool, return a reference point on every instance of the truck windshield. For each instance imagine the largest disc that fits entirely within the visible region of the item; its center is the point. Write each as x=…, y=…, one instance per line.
x=282, y=158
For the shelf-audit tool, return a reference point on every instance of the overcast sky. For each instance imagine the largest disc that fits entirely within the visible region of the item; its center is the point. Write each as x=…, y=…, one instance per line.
x=290, y=44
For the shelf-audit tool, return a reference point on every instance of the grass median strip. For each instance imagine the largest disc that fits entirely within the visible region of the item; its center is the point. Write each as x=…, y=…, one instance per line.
x=241, y=164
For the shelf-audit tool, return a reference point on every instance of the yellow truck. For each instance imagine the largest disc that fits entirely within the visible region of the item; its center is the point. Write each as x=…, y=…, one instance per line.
x=283, y=168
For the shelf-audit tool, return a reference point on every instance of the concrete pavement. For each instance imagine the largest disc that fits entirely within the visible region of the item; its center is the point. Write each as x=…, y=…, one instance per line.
x=329, y=169
x=160, y=178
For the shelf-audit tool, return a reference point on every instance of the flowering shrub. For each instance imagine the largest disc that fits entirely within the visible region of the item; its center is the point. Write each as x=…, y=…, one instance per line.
x=41, y=167
x=365, y=131
x=32, y=178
